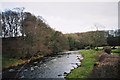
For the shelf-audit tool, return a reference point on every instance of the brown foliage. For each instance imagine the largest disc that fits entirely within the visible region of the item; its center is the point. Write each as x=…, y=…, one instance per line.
x=39, y=39
x=107, y=67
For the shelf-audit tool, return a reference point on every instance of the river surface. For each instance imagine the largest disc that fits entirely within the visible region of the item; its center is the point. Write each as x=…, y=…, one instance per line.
x=51, y=67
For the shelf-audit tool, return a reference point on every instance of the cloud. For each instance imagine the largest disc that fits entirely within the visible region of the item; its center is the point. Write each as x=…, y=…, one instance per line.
x=74, y=17
x=82, y=24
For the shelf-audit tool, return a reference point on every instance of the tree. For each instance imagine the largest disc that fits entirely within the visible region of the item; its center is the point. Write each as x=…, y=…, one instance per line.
x=113, y=37
x=91, y=39
x=59, y=42
x=12, y=22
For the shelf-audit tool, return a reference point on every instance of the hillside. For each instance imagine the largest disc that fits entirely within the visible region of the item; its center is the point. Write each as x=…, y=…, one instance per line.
x=92, y=39
x=26, y=36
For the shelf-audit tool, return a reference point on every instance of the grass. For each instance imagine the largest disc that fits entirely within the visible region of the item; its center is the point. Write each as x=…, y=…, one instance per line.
x=116, y=51
x=87, y=65
x=9, y=62
x=90, y=57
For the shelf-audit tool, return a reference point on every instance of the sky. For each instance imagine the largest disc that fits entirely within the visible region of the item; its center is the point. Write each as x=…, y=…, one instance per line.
x=71, y=17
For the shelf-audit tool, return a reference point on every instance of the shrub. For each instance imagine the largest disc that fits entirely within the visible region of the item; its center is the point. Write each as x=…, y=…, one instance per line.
x=107, y=49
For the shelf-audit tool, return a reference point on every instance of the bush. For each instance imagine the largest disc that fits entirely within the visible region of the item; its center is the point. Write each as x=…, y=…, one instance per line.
x=107, y=49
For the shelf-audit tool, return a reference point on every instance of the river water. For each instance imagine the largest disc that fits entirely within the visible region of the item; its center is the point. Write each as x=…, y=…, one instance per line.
x=51, y=67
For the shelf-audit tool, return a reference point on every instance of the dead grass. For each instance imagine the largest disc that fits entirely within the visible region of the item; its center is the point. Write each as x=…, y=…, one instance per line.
x=107, y=67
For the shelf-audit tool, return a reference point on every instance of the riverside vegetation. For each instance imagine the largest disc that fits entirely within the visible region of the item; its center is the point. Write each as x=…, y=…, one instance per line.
x=26, y=37
x=88, y=67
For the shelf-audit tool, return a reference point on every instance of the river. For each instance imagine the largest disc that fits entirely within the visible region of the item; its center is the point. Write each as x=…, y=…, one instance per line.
x=50, y=67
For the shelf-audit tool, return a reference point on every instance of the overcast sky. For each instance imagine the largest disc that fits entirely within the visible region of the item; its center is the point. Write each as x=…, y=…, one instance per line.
x=70, y=17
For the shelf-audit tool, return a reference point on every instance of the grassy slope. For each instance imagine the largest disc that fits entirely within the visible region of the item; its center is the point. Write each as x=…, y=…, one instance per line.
x=9, y=62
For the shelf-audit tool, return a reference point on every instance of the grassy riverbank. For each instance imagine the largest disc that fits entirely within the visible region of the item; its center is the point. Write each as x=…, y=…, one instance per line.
x=11, y=62
x=90, y=58
x=86, y=66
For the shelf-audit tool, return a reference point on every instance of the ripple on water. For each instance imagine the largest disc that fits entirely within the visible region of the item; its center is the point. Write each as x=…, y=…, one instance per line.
x=51, y=67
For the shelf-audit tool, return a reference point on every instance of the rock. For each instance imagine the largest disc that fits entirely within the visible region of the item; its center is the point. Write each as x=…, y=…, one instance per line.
x=25, y=70
x=32, y=69
x=22, y=77
x=40, y=62
x=11, y=70
x=81, y=58
x=35, y=62
x=107, y=49
x=77, y=64
x=36, y=66
x=67, y=56
x=73, y=67
x=28, y=61
x=60, y=75
x=44, y=64
x=78, y=58
x=53, y=60
x=65, y=72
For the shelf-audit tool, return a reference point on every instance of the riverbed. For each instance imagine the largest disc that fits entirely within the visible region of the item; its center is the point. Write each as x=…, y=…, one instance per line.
x=56, y=66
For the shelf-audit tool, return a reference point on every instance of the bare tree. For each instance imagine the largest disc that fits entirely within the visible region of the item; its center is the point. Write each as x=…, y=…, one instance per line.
x=12, y=22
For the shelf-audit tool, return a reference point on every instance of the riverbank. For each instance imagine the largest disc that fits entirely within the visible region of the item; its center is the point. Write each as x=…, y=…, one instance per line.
x=90, y=58
x=8, y=62
x=87, y=66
